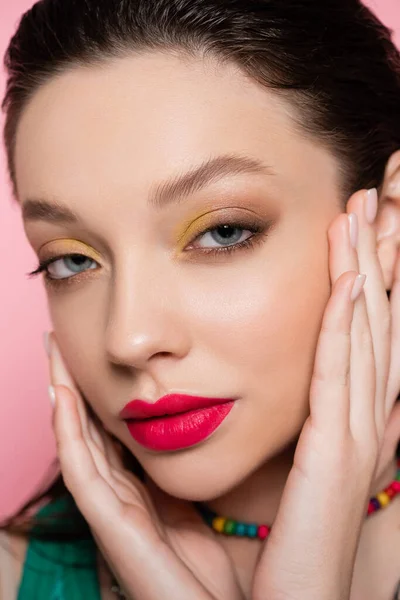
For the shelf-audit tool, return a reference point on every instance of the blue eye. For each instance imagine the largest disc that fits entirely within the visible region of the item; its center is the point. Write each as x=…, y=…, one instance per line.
x=64, y=267
x=77, y=263
x=223, y=236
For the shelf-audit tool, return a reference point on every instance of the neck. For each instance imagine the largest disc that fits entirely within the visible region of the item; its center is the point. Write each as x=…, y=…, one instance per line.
x=257, y=498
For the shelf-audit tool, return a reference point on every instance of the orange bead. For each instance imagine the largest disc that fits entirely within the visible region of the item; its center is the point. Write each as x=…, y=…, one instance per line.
x=218, y=524
x=383, y=498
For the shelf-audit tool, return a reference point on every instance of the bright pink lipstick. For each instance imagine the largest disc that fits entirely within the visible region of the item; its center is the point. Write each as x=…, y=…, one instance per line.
x=175, y=421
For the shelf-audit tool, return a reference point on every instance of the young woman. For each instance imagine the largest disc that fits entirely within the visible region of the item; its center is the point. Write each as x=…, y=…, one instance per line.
x=212, y=189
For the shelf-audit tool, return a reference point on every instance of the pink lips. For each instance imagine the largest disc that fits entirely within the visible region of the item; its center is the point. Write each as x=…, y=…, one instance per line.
x=175, y=421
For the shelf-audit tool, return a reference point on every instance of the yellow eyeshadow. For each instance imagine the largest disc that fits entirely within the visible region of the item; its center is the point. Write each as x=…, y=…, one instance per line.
x=67, y=246
x=187, y=233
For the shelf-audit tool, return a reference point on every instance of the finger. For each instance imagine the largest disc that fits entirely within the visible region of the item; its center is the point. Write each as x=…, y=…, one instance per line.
x=106, y=457
x=343, y=240
x=377, y=303
x=330, y=383
x=109, y=463
x=363, y=420
x=105, y=442
x=103, y=458
x=394, y=369
x=60, y=375
x=78, y=467
x=108, y=443
x=342, y=254
x=92, y=437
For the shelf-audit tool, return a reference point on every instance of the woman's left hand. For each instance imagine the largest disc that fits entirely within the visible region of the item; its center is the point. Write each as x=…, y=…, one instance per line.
x=311, y=550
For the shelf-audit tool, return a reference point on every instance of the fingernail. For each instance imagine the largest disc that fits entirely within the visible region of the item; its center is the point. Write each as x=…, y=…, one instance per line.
x=371, y=205
x=46, y=342
x=358, y=286
x=52, y=395
x=353, y=227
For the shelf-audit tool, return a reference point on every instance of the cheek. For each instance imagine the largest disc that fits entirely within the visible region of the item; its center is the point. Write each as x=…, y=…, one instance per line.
x=77, y=316
x=264, y=320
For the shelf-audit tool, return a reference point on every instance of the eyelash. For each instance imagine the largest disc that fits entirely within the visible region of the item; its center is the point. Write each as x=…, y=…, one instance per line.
x=247, y=244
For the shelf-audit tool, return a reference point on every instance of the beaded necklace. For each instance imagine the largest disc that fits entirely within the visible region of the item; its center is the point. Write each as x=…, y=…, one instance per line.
x=252, y=530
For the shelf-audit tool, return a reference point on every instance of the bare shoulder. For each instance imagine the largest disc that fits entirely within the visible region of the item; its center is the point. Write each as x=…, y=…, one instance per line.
x=12, y=557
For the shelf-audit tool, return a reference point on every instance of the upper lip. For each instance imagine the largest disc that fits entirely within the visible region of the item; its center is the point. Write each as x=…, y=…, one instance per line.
x=170, y=404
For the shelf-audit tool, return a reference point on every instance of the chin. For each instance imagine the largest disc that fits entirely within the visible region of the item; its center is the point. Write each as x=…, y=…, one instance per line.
x=193, y=475
x=218, y=465
x=197, y=490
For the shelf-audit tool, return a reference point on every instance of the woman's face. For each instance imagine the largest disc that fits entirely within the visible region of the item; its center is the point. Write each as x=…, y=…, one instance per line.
x=159, y=306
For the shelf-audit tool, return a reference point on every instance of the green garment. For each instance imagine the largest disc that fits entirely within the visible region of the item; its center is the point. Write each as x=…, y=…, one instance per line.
x=48, y=574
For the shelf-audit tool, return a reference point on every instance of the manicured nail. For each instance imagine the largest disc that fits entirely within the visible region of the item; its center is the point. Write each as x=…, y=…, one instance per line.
x=353, y=226
x=46, y=342
x=357, y=286
x=52, y=395
x=371, y=205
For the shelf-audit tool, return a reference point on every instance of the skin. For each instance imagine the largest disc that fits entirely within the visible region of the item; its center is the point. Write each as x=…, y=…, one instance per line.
x=157, y=315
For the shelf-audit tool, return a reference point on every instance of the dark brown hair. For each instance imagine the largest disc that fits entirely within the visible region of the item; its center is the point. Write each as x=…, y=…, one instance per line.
x=333, y=60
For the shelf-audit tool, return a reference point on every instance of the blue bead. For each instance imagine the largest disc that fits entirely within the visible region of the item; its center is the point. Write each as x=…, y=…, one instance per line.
x=240, y=529
x=252, y=530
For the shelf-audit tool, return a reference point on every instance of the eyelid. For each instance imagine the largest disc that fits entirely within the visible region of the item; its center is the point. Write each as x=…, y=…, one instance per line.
x=64, y=247
x=203, y=223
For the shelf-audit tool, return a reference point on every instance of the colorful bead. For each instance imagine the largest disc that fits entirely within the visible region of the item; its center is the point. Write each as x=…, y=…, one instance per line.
x=229, y=527
x=383, y=499
x=396, y=486
x=263, y=531
x=390, y=492
x=240, y=529
x=218, y=524
x=252, y=530
x=373, y=505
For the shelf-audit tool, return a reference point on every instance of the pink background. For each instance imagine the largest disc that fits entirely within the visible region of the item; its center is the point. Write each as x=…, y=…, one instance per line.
x=26, y=440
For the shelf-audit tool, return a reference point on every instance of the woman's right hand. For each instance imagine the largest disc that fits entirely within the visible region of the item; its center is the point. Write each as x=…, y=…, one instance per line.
x=152, y=555
x=311, y=551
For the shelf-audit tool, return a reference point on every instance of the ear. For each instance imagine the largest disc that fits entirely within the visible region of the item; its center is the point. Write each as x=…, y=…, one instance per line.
x=388, y=219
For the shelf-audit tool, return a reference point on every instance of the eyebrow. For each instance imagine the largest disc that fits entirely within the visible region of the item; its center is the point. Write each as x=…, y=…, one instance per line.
x=165, y=193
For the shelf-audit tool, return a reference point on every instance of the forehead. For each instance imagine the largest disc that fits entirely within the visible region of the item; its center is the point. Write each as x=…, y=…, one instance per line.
x=152, y=110
x=106, y=129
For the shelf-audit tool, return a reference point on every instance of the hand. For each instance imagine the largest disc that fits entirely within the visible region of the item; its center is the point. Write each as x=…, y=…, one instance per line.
x=311, y=550
x=170, y=554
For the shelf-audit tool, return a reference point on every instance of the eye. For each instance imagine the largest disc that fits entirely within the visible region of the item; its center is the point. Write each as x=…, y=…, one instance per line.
x=76, y=263
x=64, y=267
x=222, y=236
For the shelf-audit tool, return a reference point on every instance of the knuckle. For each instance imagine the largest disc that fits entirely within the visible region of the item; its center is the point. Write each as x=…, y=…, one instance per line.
x=330, y=376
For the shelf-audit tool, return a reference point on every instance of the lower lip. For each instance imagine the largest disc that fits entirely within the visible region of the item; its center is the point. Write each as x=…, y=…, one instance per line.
x=179, y=431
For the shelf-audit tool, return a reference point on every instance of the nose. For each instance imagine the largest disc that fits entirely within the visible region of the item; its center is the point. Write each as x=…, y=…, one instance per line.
x=145, y=321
